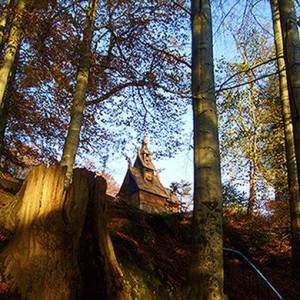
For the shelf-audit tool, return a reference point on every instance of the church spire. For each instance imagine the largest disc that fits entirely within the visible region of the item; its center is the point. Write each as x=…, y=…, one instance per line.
x=145, y=146
x=145, y=156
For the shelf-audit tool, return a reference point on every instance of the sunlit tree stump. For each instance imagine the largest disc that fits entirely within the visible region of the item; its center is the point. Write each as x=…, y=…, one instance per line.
x=61, y=248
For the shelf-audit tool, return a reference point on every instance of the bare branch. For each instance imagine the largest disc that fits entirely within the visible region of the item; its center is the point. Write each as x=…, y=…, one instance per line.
x=179, y=59
x=244, y=71
x=182, y=7
x=116, y=90
x=245, y=83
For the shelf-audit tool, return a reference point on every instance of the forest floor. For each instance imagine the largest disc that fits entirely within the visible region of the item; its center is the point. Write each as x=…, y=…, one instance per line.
x=154, y=251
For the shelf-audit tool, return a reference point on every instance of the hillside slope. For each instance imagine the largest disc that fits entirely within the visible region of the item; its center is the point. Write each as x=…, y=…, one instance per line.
x=154, y=252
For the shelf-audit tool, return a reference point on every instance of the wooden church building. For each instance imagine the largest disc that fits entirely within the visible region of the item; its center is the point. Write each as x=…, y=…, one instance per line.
x=142, y=187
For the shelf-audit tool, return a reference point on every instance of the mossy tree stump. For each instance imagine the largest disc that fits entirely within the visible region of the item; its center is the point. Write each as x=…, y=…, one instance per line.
x=61, y=248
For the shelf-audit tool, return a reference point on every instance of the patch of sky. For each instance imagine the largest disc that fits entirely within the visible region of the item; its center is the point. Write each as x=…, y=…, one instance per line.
x=181, y=165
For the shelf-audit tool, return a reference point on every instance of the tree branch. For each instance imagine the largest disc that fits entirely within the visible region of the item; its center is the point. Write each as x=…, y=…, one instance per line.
x=245, y=83
x=245, y=71
x=182, y=7
x=116, y=90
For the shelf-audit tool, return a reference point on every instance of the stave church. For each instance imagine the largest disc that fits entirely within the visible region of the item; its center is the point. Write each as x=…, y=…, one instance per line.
x=142, y=186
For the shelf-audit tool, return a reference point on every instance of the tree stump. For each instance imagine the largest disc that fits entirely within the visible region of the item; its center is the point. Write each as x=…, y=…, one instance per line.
x=61, y=248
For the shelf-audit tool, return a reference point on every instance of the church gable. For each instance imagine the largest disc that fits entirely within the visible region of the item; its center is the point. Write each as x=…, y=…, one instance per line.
x=129, y=185
x=152, y=186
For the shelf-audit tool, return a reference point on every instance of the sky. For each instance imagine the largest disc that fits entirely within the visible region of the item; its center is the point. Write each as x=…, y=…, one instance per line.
x=177, y=168
x=180, y=167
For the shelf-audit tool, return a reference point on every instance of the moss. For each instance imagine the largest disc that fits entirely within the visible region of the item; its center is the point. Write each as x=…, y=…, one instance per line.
x=146, y=285
x=147, y=278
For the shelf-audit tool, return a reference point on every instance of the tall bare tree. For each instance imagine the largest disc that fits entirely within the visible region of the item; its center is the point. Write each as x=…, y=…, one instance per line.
x=206, y=271
x=291, y=44
x=285, y=28
x=72, y=139
x=3, y=21
x=13, y=43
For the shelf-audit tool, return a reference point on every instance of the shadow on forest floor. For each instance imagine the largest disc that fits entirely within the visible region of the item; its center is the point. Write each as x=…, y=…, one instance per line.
x=154, y=251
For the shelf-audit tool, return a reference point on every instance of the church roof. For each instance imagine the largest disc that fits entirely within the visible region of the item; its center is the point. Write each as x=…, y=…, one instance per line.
x=172, y=197
x=154, y=186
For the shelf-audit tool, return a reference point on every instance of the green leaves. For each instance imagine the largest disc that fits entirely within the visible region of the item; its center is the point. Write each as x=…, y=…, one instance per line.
x=252, y=138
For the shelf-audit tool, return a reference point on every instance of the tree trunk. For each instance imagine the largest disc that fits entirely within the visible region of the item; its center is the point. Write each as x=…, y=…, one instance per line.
x=3, y=22
x=8, y=66
x=293, y=181
x=6, y=106
x=14, y=39
x=61, y=248
x=72, y=139
x=291, y=44
x=253, y=159
x=252, y=189
x=206, y=271
x=3, y=116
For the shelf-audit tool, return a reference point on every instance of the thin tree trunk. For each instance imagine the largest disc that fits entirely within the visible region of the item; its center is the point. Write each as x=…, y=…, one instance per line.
x=8, y=67
x=206, y=271
x=3, y=123
x=11, y=50
x=253, y=151
x=6, y=106
x=293, y=181
x=72, y=139
x=3, y=22
x=61, y=248
x=252, y=190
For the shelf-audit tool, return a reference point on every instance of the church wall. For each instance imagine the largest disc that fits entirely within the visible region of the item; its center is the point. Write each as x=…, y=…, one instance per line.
x=152, y=203
x=133, y=199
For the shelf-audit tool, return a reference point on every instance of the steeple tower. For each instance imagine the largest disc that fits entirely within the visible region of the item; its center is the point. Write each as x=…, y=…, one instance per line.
x=144, y=158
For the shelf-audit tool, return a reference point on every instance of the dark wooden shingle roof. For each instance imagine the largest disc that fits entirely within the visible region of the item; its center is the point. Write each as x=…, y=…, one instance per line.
x=154, y=186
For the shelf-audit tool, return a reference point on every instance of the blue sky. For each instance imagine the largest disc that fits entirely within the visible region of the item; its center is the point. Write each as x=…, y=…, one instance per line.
x=181, y=166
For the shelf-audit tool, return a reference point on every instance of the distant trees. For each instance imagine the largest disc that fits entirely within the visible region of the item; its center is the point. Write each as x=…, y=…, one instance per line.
x=272, y=125
x=250, y=117
x=183, y=190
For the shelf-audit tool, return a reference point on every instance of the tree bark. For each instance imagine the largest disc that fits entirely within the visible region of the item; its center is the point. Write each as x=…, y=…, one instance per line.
x=14, y=40
x=253, y=158
x=206, y=270
x=3, y=22
x=61, y=248
x=3, y=28
x=7, y=69
x=6, y=106
x=72, y=139
x=287, y=102
x=291, y=44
